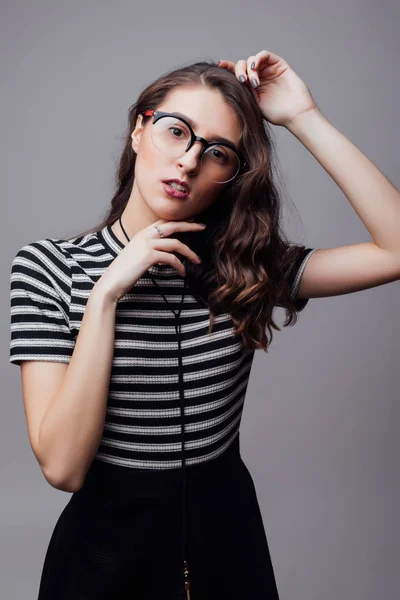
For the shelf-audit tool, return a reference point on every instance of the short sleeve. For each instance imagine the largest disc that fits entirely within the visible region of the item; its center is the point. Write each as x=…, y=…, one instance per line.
x=294, y=277
x=40, y=291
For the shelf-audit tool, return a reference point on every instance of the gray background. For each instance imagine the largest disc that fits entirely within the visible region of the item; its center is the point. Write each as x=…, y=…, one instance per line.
x=320, y=426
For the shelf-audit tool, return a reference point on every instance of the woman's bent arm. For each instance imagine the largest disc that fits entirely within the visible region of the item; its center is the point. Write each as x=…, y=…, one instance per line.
x=72, y=427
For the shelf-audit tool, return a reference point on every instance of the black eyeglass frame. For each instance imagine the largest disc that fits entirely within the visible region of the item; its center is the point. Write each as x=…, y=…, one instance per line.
x=158, y=114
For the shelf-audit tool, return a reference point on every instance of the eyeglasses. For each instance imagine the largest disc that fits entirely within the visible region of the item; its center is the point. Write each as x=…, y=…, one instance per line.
x=172, y=135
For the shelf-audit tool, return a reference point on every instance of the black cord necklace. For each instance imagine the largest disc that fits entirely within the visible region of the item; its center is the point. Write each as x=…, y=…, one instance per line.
x=182, y=404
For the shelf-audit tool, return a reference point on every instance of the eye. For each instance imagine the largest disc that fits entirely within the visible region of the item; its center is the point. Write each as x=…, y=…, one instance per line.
x=218, y=154
x=176, y=129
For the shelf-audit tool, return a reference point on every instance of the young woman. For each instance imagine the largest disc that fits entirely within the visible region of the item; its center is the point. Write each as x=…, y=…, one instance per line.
x=136, y=338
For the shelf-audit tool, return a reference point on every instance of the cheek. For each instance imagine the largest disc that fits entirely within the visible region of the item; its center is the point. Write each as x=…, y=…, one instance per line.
x=209, y=191
x=148, y=169
x=146, y=158
x=205, y=196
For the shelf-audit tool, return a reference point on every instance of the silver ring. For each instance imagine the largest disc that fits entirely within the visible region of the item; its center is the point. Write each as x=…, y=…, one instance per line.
x=159, y=230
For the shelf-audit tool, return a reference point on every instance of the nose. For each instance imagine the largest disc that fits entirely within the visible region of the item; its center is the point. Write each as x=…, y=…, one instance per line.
x=191, y=159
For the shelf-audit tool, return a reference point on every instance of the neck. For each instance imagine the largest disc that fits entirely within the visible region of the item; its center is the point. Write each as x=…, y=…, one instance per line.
x=123, y=229
x=135, y=217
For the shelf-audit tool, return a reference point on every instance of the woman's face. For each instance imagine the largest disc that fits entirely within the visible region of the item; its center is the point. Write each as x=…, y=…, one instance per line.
x=212, y=116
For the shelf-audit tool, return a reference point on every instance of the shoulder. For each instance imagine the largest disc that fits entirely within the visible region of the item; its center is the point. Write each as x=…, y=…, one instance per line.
x=47, y=256
x=42, y=266
x=40, y=295
x=298, y=257
x=55, y=256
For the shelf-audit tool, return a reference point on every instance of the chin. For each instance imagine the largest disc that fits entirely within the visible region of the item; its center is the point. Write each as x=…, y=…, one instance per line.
x=168, y=209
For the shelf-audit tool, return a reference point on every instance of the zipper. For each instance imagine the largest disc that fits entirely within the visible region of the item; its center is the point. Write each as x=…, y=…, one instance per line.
x=182, y=406
x=186, y=577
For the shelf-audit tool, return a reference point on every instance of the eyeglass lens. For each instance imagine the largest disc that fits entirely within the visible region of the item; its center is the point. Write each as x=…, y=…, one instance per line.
x=171, y=136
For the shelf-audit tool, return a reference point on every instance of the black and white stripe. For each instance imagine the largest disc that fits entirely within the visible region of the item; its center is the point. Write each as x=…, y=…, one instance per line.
x=50, y=284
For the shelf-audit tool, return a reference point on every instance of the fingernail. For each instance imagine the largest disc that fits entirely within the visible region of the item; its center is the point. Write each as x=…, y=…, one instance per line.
x=242, y=78
x=253, y=64
x=254, y=83
x=204, y=225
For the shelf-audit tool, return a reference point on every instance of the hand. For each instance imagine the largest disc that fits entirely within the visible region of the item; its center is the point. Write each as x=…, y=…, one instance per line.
x=144, y=249
x=280, y=93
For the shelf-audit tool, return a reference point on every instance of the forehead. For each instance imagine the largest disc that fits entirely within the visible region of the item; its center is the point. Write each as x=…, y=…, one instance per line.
x=207, y=109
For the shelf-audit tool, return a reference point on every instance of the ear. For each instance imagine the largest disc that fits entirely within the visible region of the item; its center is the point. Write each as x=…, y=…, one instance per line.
x=137, y=133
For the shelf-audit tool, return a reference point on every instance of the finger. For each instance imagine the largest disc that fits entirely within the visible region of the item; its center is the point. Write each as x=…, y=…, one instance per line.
x=252, y=66
x=267, y=60
x=241, y=71
x=227, y=64
x=168, y=258
x=169, y=227
x=264, y=56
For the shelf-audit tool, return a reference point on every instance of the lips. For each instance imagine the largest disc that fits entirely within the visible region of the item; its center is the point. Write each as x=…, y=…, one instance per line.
x=173, y=192
x=182, y=183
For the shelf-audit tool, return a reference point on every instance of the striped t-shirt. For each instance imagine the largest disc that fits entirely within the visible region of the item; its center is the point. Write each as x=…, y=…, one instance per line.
x=51, y=281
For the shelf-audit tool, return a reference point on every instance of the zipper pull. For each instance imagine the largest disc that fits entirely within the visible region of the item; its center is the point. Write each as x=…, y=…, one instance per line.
x=186, y=576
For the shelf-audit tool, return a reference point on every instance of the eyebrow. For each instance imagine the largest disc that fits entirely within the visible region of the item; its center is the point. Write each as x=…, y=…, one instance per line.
x=215, y=138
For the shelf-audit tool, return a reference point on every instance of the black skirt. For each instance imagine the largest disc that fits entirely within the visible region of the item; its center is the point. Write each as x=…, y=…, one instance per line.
x=119, y=536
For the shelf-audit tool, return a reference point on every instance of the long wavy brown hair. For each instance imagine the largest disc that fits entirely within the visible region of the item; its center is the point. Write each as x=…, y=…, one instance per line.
x=247, y=260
